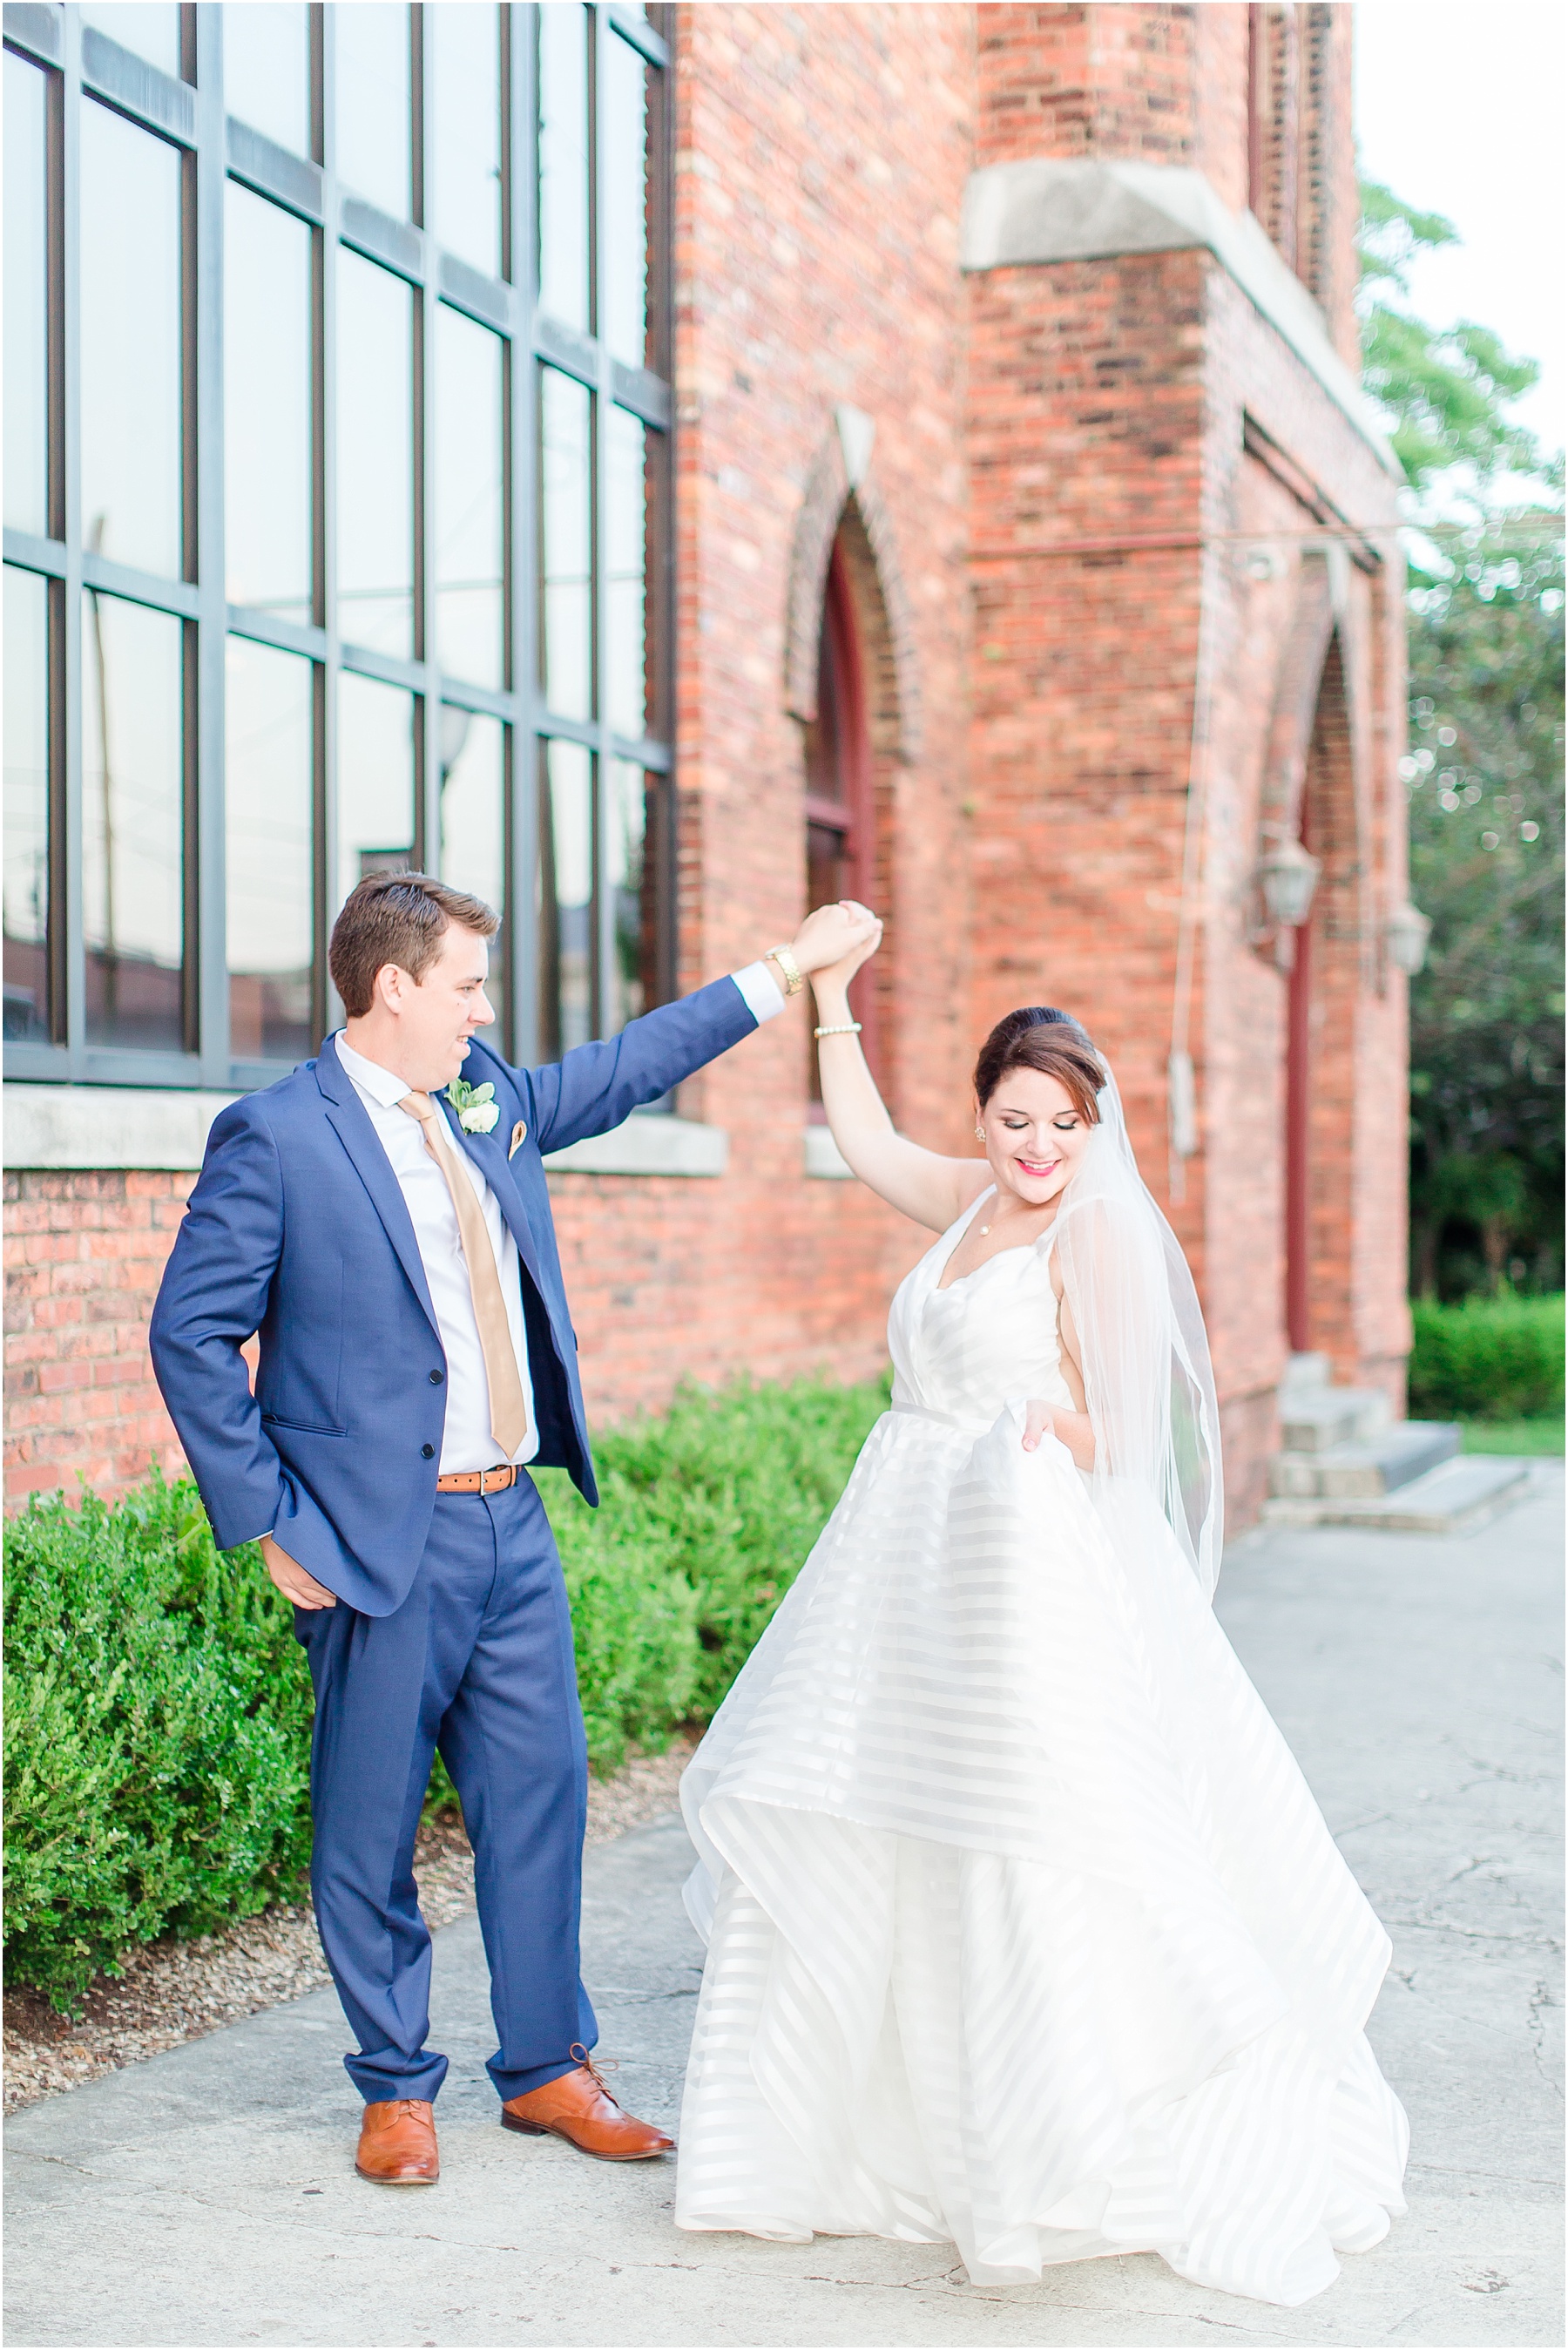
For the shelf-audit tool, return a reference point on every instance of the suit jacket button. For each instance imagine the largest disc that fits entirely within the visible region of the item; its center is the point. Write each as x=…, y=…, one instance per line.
x=427, y=1451
x=436, y=1378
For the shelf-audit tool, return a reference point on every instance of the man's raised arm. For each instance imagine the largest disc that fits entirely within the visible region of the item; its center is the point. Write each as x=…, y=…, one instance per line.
x=594, y=1087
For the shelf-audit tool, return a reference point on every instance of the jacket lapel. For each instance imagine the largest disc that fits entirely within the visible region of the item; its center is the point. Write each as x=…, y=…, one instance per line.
x=359, y=1139
x=489, y=1155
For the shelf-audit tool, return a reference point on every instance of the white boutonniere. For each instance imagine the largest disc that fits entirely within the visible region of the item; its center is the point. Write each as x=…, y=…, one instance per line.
x=476, y=1106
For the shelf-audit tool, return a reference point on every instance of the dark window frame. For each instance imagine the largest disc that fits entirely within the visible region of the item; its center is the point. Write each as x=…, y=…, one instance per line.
x=82, y=64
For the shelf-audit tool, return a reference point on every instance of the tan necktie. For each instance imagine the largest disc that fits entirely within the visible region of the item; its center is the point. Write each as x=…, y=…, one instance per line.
x=508, y=1411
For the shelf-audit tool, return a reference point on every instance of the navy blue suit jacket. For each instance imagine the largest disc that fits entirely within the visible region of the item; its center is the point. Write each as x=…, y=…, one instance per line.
x=297, y=1229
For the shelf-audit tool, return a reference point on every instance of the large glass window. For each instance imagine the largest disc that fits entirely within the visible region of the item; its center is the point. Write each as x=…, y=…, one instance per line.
x=567, y=896
x=375, y=145
x=375, y=456
x=132, y=358
x=465, y=131
x=26, y=299
x=469, y=513
x=370, y=518
x=564, y=175
x=149, y=28
x=474, y=826
x=623, y=305
x=133, y=795
x=27, y=805
x=269, y=842
x=566, y=543
x=266, y=405
x=375, y=781
x=266, y=69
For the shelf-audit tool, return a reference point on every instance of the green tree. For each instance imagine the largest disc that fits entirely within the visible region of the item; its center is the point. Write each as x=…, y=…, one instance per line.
x=1483, y=773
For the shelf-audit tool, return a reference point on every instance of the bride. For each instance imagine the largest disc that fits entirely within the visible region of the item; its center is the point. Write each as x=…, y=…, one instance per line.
x=1024, y=1928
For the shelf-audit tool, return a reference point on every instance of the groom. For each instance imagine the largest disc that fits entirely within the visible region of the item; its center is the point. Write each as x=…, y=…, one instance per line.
x=381, y=1217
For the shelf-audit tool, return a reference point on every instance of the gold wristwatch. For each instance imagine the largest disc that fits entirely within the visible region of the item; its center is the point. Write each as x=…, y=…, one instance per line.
x=789, y=969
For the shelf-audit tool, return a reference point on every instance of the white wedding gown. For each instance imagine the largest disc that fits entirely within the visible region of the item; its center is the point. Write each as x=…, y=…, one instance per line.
x=1024, y=1928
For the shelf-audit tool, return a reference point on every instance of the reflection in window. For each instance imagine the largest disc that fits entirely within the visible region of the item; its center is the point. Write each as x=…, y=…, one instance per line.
x=566, y=897
x=565, y=635
x=266, y=69
x=628, y=979
x=468, y=512
x=133, y=792
x=375, y=146
x=266, y=405
x=623, y=297
x=268, y=840
x=27, y=300
x=473, y=830
x=375, y=781
x=27, y=805
x=465, y=133
x=130, y=371
x=150, y=30
x=375, y=457
x=564, y=163
x=626, y=525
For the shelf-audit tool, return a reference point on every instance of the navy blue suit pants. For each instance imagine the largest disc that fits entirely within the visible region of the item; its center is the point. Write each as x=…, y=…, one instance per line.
x=477, y=1663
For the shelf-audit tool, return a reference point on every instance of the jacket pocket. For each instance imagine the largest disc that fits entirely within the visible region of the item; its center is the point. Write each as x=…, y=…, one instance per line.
x=302, y=1427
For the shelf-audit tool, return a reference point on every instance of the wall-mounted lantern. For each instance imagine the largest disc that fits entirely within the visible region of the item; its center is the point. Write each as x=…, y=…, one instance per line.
x=1406, y=934
x=1287, y=876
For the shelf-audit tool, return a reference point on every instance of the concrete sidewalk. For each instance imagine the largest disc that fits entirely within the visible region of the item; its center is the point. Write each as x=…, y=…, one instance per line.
x=207, y=2198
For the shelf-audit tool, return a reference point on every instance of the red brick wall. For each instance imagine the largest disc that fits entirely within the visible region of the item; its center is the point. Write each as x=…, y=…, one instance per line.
x=83, y=1255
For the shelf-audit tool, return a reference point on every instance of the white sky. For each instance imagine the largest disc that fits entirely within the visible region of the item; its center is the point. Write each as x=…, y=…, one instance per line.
x=1460, y=109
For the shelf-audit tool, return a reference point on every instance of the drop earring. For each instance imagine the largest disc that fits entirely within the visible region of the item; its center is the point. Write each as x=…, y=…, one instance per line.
x=980, y=1134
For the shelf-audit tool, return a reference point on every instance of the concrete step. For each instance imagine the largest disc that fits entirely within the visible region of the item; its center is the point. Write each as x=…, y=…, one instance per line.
x=1362, y=1472
x=1455, y=1498
x=1304, y=1374
x=1314, y=1419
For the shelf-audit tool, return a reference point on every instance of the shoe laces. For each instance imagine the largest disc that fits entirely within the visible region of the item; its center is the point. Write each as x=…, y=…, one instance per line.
x=596, y=2071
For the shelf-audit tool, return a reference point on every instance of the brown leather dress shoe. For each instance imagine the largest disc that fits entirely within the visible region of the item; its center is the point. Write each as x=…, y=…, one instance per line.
x=398, y=2144
x=580, y=2108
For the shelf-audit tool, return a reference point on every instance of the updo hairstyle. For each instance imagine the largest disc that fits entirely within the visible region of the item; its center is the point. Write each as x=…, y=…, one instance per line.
x=1039, y=1038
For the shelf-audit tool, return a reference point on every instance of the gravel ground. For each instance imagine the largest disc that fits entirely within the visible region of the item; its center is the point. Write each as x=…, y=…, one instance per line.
x=172, y=1991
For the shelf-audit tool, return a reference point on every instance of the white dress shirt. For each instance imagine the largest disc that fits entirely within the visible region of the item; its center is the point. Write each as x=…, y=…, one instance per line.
x=467, y=1443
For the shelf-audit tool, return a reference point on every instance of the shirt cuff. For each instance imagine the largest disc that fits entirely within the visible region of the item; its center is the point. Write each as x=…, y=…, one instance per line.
x=760, y=992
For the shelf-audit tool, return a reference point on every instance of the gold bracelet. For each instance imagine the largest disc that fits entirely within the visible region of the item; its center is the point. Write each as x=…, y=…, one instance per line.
x=789, y=969
x=844, y=1028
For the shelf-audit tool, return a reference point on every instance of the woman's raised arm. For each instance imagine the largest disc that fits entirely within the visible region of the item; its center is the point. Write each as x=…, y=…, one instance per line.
x=919, y=1184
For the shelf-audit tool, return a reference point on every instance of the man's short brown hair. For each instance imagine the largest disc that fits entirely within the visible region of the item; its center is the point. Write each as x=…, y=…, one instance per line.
x=397, y=918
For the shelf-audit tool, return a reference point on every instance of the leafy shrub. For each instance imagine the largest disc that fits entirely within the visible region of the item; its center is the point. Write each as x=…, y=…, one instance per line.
x=1488, y=1358
x=158, y=1707
x=157, y=1733
x=726, y=1491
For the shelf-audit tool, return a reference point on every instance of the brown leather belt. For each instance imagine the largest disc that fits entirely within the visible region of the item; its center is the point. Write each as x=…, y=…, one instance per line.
x=477, y=1481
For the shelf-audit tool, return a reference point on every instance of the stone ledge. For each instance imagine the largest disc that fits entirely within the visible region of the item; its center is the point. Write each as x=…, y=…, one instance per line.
x=1038, y=211
x=646, y=1146
x=85, y=1128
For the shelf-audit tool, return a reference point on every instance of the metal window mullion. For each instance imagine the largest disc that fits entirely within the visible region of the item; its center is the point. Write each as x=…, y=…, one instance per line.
x=210, y=946
x=70, y=713
x=523, y=767
x=327, y=1009
x=426, y=712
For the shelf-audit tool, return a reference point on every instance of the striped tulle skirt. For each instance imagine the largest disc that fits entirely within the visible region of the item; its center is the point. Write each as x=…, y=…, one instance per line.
x=1024, y=1928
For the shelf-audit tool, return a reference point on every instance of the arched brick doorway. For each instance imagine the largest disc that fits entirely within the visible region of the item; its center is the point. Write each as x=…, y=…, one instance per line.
x=840, y=784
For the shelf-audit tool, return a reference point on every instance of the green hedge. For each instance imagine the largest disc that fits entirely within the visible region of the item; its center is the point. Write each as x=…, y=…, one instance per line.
x=1488, y=1358
x=158, y=1707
